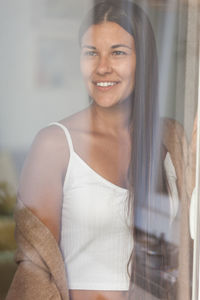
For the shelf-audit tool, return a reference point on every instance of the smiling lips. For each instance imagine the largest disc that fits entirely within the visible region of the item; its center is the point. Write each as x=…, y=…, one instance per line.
x=105, y=84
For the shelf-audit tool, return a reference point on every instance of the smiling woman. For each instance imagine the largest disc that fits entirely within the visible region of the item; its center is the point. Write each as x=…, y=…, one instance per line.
x=108, y=62
x=82, y=190
x=86, y=176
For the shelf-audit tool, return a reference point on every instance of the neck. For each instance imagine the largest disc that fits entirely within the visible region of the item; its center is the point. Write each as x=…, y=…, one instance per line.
x=113, y=119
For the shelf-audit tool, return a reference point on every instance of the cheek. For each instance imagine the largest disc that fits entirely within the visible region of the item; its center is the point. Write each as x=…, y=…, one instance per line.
x=129, y=75
x=127, y=69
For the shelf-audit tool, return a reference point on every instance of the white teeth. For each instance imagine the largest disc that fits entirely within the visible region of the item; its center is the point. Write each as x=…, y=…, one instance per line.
x=106, y=83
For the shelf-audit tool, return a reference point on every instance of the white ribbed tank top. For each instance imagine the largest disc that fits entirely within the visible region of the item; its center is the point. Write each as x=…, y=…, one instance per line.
x=96, y=239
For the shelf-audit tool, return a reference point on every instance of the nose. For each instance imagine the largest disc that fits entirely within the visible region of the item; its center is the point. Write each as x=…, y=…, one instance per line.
x=104, y=65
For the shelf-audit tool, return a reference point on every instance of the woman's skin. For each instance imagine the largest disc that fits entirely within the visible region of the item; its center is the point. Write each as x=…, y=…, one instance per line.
x=100, y=133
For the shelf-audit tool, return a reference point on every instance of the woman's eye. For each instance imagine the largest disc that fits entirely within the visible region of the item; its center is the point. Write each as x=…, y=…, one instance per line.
x=118, y=52
x=90, y=53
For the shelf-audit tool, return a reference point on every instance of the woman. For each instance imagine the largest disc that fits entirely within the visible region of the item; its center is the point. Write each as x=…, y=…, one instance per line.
x=79, y=179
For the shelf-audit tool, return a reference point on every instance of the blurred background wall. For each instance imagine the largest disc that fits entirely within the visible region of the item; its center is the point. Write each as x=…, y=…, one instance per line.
x=39, y=83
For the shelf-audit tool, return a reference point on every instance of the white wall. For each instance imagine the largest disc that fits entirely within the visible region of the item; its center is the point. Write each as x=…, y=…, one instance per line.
x=25, y=106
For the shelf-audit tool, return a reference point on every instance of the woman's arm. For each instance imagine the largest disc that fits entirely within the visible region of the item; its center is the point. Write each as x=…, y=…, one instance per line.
x=41, y=273
x=42, y=177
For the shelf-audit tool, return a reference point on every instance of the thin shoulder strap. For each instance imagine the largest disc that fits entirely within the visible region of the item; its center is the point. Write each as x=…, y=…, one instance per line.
x=67, y=134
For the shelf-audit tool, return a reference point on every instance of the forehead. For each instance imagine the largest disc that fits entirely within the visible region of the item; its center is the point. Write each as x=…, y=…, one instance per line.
x=107, y=33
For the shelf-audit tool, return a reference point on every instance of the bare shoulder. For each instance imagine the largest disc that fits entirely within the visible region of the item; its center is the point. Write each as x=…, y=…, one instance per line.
x=49, y=147
x=42, y=177
x=78, y=121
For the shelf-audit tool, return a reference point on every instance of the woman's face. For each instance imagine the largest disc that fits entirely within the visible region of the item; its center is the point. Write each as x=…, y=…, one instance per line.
x=108, y=63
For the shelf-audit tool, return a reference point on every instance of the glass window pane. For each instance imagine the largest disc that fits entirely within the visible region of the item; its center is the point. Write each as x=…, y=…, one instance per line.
x=124, y=80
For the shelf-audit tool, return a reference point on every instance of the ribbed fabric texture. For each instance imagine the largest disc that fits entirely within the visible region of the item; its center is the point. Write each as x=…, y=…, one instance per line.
x=96, y=239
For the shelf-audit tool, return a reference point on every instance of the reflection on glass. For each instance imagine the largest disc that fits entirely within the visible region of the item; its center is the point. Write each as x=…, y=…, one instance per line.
x=104, y=201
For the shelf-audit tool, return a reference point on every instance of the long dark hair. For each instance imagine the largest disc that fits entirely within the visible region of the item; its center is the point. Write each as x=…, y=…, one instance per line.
x=144, y=118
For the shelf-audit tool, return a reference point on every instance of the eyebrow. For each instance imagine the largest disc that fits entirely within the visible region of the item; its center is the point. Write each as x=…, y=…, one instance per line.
x=121, y=45
x=113, y=47
x=88, y=46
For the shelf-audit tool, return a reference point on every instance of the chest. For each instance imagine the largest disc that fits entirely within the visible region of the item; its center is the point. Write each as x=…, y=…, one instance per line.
x=109, y=157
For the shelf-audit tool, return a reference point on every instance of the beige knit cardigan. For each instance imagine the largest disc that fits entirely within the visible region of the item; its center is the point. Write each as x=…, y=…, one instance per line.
x=41, y=273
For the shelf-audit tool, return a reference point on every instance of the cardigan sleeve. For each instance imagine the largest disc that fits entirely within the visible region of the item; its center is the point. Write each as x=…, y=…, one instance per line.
x=175, y=141
x=183, y=153
x=40, y=274
x=32, y=283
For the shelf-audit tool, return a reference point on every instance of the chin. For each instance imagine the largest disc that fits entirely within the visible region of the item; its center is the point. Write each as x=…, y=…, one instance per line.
x=110, y=103
x=106, y=103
